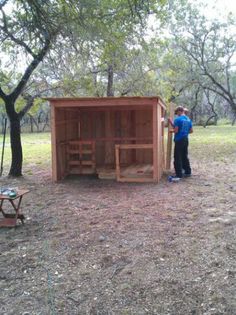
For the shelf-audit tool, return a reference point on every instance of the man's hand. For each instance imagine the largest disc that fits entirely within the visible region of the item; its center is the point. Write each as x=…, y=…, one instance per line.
x=170, y=121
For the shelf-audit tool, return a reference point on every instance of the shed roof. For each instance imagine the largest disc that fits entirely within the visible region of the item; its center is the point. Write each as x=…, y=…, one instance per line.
x=105, y=101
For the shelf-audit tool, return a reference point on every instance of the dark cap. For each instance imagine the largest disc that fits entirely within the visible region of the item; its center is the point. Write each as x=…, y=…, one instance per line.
x=179, y=109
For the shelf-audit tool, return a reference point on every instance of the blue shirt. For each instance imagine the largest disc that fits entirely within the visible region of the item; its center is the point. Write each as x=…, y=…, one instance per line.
x=184, y=125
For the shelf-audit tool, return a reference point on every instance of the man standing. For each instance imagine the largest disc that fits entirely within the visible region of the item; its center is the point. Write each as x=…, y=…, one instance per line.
x=182, y=128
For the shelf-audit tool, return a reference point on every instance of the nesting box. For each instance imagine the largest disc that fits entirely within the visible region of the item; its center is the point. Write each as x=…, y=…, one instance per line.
x=120, y=138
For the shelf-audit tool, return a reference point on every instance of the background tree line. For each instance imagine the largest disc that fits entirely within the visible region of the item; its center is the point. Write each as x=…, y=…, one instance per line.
x=112, y=48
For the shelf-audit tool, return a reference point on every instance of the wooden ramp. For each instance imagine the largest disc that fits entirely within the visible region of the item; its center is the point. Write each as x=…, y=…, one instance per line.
x=141, y=172
x=136, y=173
x=106, y=172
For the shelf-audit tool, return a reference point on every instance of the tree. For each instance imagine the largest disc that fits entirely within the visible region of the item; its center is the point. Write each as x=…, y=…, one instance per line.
x=29, y=28
x=210, y=49
x=96, y=63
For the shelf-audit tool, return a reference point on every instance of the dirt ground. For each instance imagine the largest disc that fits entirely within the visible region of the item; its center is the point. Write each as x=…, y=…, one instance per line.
x=99, y=247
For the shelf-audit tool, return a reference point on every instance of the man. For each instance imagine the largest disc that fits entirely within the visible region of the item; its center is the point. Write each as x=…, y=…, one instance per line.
x=186, y=112
x=182, y=128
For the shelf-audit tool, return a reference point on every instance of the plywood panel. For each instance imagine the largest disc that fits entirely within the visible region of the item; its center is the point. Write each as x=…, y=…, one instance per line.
x=125, y=120
x=99, y=122
x=109, y=131
x=85, y=126
x=143, y=126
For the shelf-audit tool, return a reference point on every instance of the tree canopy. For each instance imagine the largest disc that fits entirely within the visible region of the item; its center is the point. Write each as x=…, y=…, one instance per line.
x=30, y=29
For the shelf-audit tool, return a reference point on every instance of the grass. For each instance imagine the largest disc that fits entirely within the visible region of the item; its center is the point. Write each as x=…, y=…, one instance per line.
x=36, y=151
x=214, y=135
x=213, y=142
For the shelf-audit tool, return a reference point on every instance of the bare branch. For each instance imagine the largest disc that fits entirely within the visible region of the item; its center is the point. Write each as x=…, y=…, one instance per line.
x=4, y=28
x=29, y=70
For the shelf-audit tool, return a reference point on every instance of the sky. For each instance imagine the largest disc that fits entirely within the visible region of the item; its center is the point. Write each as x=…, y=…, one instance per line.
x=226, y=5
x=222, y=7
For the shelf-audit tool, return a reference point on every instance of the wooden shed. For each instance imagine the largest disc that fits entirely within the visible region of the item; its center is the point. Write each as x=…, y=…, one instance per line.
x=112, y=137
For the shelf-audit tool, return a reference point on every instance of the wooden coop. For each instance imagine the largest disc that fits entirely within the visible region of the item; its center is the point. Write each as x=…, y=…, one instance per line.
x=119, y=138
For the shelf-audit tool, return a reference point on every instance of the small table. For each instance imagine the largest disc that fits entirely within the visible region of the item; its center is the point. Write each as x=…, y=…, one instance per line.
x=10, y=219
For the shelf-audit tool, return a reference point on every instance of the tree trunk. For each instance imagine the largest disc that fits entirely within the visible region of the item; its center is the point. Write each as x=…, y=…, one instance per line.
x=211, y=117
x=234, y=120
x=110, y=91
x=16, y=148
x=15, y=138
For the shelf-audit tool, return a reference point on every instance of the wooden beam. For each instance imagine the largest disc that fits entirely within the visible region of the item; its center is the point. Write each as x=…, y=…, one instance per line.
x=159, y=144
x=117, y=155
x=155, y=148
x=55, y=176
x=105, y=101
x=169, y=138
x=135, y=146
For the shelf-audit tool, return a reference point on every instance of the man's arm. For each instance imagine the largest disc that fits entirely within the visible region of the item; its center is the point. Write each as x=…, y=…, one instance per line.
x=171, y=122
x=176, y=129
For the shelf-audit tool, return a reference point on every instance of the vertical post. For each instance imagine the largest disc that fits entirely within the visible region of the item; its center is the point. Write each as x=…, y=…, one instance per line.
x=117, y=151
x=163, y=138
x=55, y=176
x=169, y=138
x=155, y=140
x=159, y=142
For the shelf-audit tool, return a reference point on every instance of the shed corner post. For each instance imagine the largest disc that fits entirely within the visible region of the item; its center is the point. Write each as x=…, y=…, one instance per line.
x=54, y=143
x=169, y=138
x=155, y=142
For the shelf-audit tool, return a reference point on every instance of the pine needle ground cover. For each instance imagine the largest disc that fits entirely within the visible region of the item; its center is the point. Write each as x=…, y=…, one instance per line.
x=101, y=247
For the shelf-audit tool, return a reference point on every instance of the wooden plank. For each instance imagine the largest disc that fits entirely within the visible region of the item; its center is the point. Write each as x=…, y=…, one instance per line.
x=159, y=143
x=169, y=138
x=124, y=139
x=55, y=176
x=84, y=171
x=117, y=156
x=136, y=180
x=87, y=163
x=78, y=151
x=109, y=130
x=136, y=146
x=104, y=101
x=81, y=142
x=163, y=139
x=155, y=148
x=99, y=109
x=106, y=173
x=140, y=170
x=8, y=222
x=125, y=119
x=143, y=128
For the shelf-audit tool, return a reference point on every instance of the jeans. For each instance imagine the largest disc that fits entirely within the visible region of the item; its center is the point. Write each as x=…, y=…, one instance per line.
x=181, y=161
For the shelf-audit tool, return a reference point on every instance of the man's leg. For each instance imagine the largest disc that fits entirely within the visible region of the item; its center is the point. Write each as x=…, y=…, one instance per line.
x=178, y=159
x=185, y=159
